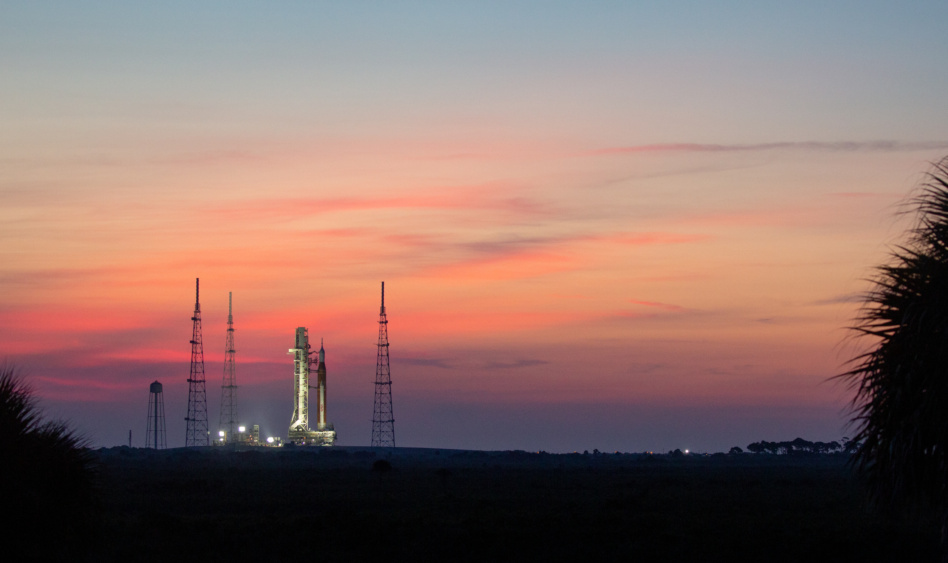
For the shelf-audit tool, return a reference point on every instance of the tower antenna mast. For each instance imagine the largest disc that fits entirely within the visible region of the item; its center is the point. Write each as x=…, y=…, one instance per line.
x=197, y=434
x=228, y=421
x=383, y=419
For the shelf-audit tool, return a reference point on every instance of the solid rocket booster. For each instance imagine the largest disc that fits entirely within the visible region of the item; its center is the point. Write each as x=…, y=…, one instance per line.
x=321, y=389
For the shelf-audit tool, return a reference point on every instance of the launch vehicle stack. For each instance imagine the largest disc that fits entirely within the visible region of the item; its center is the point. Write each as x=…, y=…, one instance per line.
x=300, y=432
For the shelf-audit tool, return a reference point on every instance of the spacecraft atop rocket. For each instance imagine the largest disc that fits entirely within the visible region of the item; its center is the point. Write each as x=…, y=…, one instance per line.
x=303, y=360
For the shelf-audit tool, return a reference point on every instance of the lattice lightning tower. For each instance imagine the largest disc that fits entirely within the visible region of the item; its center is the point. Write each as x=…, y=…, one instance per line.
x=383, y=420
x=229, y=387
x=198, y=434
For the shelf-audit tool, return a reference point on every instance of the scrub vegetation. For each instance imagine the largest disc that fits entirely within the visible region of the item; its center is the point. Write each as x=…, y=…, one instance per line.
x=46, y=479
x=339, y=504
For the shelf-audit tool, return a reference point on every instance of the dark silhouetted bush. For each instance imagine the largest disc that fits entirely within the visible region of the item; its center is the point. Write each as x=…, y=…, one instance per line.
x=46, y=480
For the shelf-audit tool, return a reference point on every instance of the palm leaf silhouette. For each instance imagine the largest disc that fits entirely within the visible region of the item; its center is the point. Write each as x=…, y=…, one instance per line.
x=900, y=408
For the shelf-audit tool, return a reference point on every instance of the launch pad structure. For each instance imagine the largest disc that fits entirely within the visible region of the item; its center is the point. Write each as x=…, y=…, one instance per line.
x=303, y=360
x=305, y=363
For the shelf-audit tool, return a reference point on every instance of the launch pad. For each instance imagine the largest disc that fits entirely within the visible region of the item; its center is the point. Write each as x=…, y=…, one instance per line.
x=300, y=432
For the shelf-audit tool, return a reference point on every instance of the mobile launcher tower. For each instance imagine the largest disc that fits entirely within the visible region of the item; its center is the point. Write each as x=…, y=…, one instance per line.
x=303, y=360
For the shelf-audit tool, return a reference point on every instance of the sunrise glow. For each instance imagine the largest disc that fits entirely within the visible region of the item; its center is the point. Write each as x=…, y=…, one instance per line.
x=598, y=228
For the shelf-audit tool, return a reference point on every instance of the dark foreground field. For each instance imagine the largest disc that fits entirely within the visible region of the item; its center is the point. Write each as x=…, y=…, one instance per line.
x=329, y=505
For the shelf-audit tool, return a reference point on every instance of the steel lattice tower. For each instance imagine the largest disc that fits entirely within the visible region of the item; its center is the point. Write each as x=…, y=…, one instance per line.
x=155, y=431
x=229, y=386
x=198, y=434
x=383, y=420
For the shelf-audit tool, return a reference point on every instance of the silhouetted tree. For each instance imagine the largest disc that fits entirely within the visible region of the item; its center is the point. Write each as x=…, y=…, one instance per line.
x=767, y=447
x=900, y=409
x=46, y=480
x=795, y=446
x=798, y=445
x=850, y=446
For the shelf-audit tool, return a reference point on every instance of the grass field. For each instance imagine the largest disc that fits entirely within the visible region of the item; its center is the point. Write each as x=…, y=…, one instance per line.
x=443, y=505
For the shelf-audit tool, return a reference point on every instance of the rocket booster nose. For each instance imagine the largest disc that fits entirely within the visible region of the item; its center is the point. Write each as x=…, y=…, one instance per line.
x=322, y=353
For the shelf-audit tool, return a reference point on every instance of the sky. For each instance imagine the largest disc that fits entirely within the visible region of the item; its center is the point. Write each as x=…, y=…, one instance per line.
x=623, y=226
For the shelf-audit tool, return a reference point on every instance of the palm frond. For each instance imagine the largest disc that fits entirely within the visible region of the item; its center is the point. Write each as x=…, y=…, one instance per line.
x=900, y=408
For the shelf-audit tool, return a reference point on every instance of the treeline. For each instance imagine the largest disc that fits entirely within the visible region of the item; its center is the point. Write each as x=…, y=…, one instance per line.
x=801, y=446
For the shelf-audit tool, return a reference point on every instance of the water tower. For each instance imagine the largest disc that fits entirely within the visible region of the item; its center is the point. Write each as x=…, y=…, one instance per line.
x=155, y=434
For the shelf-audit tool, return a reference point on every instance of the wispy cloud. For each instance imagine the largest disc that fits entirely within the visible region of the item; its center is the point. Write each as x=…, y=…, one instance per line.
x=767, y=217
x=426, y=362
x=858, y=195
x=665, y=306
x=844, y=298
x=646, y=368
x=649, y=238
x=840, y=146
x=507, y=266
x=646, y=310
x=494, y=322
x=211, y=157
x=35, y=278
x=521, y=363
x=447, y=198
x=525, y=257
